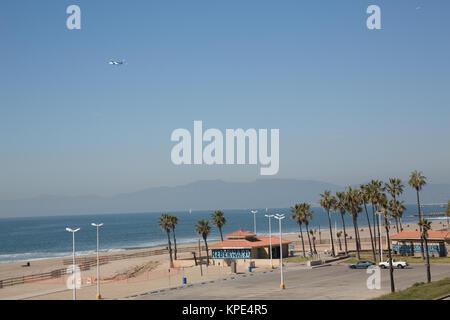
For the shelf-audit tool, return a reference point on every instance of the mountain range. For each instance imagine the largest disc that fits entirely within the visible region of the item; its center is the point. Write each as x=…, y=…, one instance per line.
x=200, y=195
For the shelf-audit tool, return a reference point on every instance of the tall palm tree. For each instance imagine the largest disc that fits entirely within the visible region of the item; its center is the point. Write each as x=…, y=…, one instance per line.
x=202, y=228
x=375, y=187
x=353, y=206
x=298, y=216
x=384, y=211
x=395, y=188
x=365, y=197
x=327, y=202
x=306, y=212
x=447, y=213
x=417, y=181
x=218, y=220
x=164, y=224
x=340, y=205
x=173, y=220
x=425, y=225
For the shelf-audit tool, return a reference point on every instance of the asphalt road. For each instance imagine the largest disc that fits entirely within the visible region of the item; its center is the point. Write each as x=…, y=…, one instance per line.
x=325, y=282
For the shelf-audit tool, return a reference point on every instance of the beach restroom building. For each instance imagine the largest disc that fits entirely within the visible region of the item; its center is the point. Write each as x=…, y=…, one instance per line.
x=242, y=245
x=407, y=243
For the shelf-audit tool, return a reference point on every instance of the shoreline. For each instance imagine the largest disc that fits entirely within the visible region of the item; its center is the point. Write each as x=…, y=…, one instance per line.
x=290, y=235
x=157, y=277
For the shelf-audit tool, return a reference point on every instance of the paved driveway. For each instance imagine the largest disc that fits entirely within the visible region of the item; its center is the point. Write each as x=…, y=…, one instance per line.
x=327, y=282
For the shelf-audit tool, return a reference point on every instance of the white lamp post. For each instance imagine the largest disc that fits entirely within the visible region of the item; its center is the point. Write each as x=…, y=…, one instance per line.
x=254, y=219
x=98, y=261
x=74, y=266
x=270, y=239
x=280, y=217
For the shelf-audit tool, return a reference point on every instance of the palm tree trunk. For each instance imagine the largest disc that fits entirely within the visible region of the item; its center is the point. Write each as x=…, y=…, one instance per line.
x=374, y=255
x=170, y=248
x=175, y=244
x=374, y=229
x=420, y=227
x=380, y=241
x=207, y=255
x=391, y=268
x=314, y=244
x=355, y=226
x=401, y=224
x=331, y=234
x=221, y=236
x=428, y=260
x=345, y=233
x=303, y=243
x=396, y=224
x=309, y=240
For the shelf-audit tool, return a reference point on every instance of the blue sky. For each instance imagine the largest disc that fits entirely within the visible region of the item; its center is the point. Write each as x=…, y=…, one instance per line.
x=351, y=104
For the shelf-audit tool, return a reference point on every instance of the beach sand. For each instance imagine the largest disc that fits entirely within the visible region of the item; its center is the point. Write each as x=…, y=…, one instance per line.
x=154, y=274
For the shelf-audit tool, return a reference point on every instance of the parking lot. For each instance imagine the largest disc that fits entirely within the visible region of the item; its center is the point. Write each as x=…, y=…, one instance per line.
x=325, y=282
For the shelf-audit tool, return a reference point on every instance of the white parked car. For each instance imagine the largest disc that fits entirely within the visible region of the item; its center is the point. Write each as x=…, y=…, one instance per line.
x=395, y=264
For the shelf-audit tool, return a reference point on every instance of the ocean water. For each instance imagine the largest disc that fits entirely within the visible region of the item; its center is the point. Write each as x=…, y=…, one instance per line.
x=26, y=239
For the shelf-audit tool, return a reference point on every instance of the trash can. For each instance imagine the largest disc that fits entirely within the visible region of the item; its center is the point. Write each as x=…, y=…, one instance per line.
x=184, y=280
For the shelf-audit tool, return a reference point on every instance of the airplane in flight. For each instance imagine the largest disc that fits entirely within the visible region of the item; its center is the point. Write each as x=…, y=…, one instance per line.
x=116, y=63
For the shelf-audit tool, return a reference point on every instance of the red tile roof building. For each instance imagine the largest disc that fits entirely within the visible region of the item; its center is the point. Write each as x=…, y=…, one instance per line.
x=408, y=243
x=246, y=245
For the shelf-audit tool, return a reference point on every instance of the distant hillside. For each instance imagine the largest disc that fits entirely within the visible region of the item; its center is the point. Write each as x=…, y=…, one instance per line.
x=201, y=195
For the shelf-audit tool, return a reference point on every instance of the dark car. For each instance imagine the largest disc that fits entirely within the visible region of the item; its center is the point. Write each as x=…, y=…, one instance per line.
x=361, y=265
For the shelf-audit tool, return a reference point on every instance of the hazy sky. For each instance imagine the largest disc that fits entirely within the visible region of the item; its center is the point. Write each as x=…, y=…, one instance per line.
x=351, y=103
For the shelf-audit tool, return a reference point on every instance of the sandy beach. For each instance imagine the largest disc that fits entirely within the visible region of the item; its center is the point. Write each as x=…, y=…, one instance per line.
x=121, y=278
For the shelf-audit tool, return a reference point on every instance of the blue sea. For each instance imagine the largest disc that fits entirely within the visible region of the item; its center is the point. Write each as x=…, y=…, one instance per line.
x=25, y=239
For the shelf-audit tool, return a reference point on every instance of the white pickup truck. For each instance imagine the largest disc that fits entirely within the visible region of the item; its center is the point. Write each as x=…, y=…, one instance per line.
x=395, y=264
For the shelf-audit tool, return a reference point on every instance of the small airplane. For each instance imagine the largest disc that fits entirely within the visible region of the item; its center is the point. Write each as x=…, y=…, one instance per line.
x=116, y=63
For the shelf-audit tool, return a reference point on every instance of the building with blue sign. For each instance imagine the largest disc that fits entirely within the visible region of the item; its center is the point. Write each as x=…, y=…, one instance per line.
x=241, y=245
x=407, y=243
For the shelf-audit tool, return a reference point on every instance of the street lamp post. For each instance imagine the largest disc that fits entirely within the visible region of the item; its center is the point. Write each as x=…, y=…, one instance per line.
x=98, y=297
x=73, y=263
x=270, y=239
x=280, y=217
x=254, y=219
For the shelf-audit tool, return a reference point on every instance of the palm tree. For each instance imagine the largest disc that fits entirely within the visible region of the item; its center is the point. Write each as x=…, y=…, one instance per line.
x=298, y=216
x=384, y=211
x=218, y=220
x=397, y=209
x=173, y=220
x=417, y=181
x=164, y=224
x=327, y=202
x=395, y=188
x=340, y=205
x=338, y=236
x=375, y=188
x=447, y=213
x=202, y=228
x=425, y=225
x=306, y=212
x=365, y=197
x=352, y=205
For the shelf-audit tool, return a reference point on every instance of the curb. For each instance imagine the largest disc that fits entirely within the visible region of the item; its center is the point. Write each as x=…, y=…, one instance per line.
x=443, y=297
